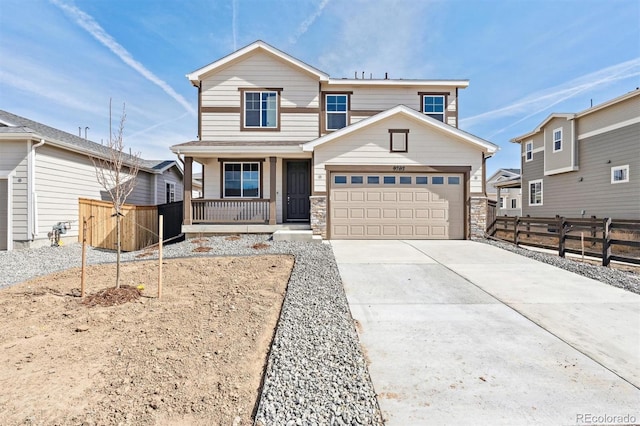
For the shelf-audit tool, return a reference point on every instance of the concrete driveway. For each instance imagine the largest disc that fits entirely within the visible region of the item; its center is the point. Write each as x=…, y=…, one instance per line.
x=459, y=332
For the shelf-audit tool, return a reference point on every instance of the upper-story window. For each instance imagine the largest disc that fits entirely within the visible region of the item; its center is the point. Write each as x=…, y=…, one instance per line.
x=557, y=140
x=336, y=107
x=620, y=174
x=261, y=110
x=433, y=106
x=528, y=151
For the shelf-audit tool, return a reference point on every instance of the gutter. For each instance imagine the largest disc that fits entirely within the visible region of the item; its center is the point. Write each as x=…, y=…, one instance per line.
x=32, y=196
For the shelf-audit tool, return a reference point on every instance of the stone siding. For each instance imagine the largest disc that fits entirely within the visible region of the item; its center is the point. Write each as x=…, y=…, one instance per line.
x=319, y=215
x=478, y=216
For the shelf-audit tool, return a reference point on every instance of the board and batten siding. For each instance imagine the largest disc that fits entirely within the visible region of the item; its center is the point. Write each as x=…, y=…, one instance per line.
x=590, y=188
x=260, y=70
x=14, y=157
x=370, y=146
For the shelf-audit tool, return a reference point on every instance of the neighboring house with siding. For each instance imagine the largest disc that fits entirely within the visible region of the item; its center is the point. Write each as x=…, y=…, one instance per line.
x=44, y=171
x=584, y=164
x=284, y=146
x=503, y=186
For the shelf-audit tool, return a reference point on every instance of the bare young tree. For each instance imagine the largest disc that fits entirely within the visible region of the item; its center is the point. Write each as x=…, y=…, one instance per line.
x=116, y=173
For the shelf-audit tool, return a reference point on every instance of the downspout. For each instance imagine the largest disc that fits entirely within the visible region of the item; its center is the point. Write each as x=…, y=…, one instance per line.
x=32, y=196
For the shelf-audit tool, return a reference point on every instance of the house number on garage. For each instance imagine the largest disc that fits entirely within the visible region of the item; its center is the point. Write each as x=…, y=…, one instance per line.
x=398, y=168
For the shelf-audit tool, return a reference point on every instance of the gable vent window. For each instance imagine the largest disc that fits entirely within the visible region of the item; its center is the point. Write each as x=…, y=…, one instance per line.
x=398, y=140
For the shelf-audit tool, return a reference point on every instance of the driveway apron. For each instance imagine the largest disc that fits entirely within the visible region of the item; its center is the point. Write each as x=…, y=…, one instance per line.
x=460, y=332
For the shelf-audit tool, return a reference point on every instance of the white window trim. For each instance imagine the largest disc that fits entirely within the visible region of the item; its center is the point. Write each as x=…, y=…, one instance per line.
x=224, y=179
x=528, y=151
x=553, y=137
x=533, y=182
x=172, y=192
x=616, y=168
x=327, y=112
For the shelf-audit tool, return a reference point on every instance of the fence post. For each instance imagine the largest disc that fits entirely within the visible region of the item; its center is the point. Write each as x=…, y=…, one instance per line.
x=516, y=226
x=528, y=226
x=606, y=241
x=561, y=237
x=593, y=230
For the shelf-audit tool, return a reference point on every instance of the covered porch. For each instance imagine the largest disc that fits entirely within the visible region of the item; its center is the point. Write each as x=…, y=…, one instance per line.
x=250, y=188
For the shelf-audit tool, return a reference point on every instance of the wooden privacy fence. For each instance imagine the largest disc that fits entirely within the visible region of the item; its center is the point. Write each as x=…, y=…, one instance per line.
x=139, y=225
x=605, y=238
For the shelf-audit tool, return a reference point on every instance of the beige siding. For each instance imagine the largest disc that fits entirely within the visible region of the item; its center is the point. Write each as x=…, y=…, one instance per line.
x=293, y=127
x=4, y=214
x=563, y=160
x=618, y=113
x=370, y=146
x=260, y=70
x=14, y=157
x=61, y=178
x=213, y=185
x=382, y=98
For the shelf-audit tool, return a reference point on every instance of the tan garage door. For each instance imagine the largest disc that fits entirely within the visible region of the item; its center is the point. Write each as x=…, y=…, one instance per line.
x=404, y=205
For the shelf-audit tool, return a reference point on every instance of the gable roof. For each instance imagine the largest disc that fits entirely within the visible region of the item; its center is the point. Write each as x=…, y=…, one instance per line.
x=403, y=110
x=256, y=46
x=571, y=116
x=12, y=125
x=503, y=174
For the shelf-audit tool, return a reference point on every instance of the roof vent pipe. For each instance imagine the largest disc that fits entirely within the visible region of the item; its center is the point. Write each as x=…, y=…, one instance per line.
x=355, y=73
x=363, y=75
x=386, y=76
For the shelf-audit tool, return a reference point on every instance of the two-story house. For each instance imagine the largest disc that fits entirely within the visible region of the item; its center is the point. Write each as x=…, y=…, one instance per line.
x=503, y=186
x=282, y=144
x=44, y=172
x=584, y=164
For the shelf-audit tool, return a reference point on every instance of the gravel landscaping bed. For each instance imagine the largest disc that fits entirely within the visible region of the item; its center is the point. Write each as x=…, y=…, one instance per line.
x=614, y=277
x=316, y=372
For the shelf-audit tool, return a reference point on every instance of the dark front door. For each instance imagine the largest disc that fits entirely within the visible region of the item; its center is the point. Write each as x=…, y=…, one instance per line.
x=298, y=190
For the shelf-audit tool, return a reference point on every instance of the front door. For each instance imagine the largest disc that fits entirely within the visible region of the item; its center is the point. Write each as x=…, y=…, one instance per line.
x=298, y=190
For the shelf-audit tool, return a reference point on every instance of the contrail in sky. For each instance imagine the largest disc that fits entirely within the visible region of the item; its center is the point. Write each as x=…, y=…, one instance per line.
x=93, y=28
x=308, y=22
x=546, y=99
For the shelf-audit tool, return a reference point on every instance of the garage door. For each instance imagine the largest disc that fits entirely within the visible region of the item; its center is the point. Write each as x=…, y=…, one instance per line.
x=4, y=214
x=388, y=206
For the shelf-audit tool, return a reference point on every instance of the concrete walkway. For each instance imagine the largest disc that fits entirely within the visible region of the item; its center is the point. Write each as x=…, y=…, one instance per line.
x=459, y=332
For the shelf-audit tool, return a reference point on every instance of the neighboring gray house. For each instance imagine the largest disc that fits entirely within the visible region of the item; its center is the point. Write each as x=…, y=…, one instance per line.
x=43, y=173
x=584, y=164
x=504, y=187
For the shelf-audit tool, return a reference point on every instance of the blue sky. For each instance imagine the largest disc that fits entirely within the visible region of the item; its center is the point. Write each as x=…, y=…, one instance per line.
x=62, y=60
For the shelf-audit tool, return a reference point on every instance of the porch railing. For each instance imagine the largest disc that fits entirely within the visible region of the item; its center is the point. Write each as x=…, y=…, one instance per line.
x=230, y=211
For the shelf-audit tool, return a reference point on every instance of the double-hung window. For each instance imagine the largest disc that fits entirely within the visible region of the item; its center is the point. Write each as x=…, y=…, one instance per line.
x=528, y=151
x=170, y=192
x=261, y=109
x=242, y=180
x=336, y=107
x=535, y=192
x=433, y=106
x=557, y=140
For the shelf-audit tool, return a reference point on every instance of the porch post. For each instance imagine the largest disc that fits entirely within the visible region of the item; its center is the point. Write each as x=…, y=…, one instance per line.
x=186, y=197
x=272, y=190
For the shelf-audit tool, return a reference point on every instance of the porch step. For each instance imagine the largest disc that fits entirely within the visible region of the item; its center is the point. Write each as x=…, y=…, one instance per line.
x=295, y=235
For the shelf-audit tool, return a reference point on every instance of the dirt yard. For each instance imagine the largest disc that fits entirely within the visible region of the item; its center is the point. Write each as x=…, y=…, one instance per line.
x=194, y=357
